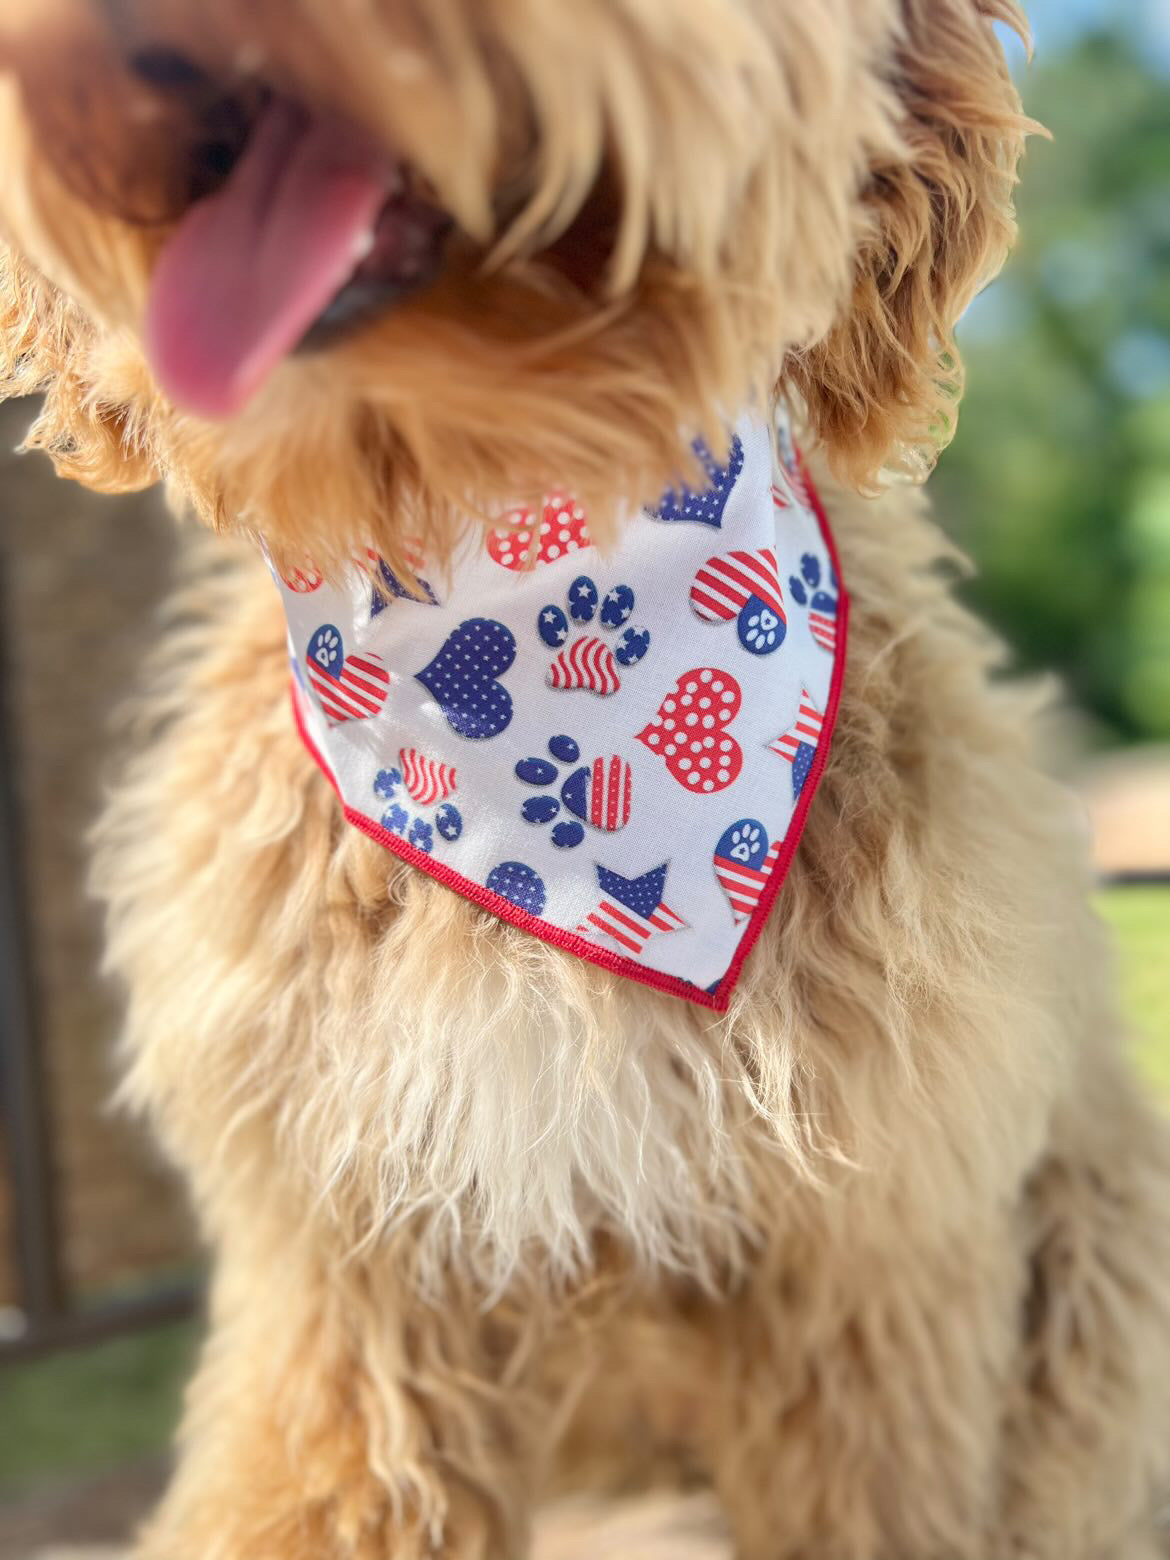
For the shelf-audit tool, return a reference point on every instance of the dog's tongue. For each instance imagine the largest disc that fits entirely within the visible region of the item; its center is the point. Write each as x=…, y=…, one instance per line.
x=250, y=269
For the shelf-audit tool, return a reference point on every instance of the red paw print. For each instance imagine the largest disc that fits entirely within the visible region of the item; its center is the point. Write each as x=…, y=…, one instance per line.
x=690, y=730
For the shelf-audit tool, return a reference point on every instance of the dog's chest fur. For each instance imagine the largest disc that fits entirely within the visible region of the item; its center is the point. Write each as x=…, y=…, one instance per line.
x=421, y=1065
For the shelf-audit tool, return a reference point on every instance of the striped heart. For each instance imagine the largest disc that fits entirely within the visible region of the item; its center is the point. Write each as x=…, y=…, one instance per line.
x=353, y=687
x=587, y=663
x=427, y=781
x=564, y=529
x=743, y=585
x=743, y=863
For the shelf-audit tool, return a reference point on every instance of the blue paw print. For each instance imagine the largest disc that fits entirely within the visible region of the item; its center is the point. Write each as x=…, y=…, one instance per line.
x=598, y=794
x=590, y=661
x=808, y=590
x=419, y=832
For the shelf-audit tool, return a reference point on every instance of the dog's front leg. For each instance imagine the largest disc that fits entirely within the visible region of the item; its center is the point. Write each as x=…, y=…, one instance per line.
x=858, y=1415
x=335, y=1416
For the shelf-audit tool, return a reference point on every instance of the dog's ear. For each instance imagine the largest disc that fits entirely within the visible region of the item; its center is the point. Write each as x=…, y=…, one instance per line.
x=44, y=351
x=882, y=388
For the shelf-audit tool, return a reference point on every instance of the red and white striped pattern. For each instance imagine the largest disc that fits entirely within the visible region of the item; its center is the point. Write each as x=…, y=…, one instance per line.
x=626, y=927
x=725, y=584
x=426, y=780
x=358, y=692
x=742, y=884
x=823, y=627
x=806, y=728
x=793, y=484
x=610, y=793
x=586, y=663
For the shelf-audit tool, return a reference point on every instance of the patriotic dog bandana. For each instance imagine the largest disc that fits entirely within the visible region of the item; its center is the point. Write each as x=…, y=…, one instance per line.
x=614, y=751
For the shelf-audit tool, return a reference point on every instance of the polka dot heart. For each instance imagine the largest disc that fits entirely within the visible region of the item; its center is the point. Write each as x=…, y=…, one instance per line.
x=304, y=581
x=564, y=529
x=690, y=730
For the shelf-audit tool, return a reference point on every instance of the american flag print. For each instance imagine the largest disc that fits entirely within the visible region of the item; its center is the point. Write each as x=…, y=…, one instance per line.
x=792, y=474
x=427, y=781
x=823, y=627
x=390, y=587
x=348, y=687
x=612, y=750
x=586, y=663
x=631, y=910
x=743, y=585
x=743, y=862
x=601, y=793
x=810, y=589
x=708, y=507
x=726, y=583
x=798, y=745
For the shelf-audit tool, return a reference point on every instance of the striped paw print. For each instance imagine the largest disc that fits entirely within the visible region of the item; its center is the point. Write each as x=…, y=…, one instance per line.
x=820, y=597
x=591, y=638
x=598, y=793
x=424, y=782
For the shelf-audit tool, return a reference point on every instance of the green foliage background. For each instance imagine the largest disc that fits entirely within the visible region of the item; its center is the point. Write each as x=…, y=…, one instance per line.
x=1059, y=480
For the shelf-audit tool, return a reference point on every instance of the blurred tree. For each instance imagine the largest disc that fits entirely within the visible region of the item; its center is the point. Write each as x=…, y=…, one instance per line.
x=1059, y=480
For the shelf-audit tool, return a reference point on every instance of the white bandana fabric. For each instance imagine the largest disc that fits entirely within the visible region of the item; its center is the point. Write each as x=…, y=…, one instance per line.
x=615, y=752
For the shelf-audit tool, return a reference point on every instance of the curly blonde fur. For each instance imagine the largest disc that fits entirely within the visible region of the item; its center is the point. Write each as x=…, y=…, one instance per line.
x=882, y=1255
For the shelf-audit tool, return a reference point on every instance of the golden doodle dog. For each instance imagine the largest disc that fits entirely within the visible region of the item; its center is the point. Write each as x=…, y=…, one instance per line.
x=830, y=1187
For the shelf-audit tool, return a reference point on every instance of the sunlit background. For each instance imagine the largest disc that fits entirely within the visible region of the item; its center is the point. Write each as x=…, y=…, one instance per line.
x=1059, y=481
x=1058, y=487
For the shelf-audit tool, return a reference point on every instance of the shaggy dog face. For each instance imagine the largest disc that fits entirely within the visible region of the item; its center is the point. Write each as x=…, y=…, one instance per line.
x=628, y=218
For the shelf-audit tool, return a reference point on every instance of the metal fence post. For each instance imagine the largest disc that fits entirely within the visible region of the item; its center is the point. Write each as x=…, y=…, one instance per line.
x=23, y=1096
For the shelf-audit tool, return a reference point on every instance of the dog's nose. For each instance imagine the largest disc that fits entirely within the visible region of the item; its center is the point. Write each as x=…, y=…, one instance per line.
x=168, y=70
x=131, y=122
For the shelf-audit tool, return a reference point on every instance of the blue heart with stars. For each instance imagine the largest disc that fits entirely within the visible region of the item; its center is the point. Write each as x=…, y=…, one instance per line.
x=705, y=508
x=462, y=678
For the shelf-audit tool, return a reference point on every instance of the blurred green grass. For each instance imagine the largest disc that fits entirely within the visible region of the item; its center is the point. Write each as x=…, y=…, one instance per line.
x=79, y=1414
x=1140, y=918
x=97, y=1409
